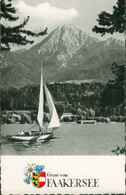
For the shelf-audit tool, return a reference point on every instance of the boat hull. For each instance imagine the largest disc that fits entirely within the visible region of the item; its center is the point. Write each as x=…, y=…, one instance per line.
x=29, y=137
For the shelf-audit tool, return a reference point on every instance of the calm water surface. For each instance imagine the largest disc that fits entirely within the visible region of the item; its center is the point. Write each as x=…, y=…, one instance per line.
x=69, y=139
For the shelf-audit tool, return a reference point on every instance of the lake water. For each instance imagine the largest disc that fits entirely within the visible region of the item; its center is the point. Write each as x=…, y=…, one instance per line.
x=69, y=139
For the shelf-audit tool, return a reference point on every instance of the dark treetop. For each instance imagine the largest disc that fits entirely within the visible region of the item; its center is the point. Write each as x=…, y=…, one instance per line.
x=111, y=23
x=15, y=35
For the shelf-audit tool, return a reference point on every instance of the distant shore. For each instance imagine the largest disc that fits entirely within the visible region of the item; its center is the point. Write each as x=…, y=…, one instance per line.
x=29, y=117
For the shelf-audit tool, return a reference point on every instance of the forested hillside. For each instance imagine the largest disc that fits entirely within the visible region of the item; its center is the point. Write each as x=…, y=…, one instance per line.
x=68, y=97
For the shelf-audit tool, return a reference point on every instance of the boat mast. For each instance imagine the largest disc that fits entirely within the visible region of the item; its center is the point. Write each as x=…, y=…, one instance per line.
x=42, y=77
x=41, y=102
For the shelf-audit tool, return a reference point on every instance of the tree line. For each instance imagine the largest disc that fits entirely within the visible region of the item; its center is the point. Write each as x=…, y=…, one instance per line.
x=105, y=99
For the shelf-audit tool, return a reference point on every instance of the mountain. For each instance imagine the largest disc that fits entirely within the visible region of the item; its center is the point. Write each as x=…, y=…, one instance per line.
x=68, y=53
x=94, y=62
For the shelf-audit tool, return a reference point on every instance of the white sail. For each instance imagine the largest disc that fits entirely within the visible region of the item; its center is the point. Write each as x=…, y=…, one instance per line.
x=54, y=123
x=41, y=100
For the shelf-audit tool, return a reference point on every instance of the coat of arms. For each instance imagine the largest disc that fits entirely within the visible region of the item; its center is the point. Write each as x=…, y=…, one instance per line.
x=34, y=174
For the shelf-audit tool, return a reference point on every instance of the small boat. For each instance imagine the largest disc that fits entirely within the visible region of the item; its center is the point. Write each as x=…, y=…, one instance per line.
x=42, y=134
x=30, y=137
x=86, y=121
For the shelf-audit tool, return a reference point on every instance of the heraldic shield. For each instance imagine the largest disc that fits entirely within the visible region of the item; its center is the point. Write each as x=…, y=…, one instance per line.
x=38, y=179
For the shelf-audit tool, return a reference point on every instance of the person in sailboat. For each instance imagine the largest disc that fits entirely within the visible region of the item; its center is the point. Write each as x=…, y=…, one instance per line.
x=26, y=133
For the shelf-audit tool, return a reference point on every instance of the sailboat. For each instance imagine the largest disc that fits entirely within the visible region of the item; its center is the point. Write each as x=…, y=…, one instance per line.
x=42, y=134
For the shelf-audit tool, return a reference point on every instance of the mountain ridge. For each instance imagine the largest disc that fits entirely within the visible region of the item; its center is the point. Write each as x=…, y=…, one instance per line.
x=67, y=53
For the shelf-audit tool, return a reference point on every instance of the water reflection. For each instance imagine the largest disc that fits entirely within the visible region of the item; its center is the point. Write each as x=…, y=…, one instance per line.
x=24, y=147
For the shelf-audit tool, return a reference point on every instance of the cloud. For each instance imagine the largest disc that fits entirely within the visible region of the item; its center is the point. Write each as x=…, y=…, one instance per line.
x=46, y=11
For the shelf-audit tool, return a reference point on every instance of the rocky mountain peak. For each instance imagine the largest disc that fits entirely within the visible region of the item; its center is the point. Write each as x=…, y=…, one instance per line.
x=114, y=42
x=65, y=41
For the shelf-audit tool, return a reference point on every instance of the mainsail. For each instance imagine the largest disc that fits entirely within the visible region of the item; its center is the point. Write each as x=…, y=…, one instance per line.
x=54, y=122
x=41, y=100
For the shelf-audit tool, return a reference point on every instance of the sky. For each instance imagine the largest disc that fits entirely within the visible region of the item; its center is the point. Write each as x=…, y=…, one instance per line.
x=54, y=13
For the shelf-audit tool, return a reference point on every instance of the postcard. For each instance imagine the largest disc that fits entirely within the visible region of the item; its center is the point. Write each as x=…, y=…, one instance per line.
x=63, y=97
